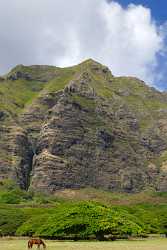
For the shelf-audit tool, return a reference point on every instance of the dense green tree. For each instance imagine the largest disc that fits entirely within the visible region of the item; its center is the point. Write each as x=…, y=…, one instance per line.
x=83, y=220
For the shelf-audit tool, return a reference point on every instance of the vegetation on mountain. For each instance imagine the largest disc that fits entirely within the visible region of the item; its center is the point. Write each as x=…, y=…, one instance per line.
x=81, y=127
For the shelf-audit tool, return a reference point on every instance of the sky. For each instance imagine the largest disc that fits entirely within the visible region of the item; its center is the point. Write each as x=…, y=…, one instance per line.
x=129, y=36
x=158, y=7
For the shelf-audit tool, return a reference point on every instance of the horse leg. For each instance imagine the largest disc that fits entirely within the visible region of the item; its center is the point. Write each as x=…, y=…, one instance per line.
x=38, y=246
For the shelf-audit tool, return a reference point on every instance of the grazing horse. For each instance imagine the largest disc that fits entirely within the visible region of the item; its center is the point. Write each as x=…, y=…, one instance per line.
x=37, y=242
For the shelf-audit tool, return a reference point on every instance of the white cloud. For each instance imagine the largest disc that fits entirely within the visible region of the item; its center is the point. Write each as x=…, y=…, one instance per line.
x=62, y=33
x=133, y=42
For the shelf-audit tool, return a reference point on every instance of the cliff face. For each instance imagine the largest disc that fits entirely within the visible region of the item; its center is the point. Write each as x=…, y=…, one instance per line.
x=79, y=127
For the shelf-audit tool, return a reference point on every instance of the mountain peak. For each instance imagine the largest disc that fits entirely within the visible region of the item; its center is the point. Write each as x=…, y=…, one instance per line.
x=91, y=61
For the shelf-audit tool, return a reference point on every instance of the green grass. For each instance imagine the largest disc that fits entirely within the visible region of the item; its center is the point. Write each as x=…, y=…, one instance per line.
x=84, y=102
x=15, y=97
x=149, y=244
x=60, y=82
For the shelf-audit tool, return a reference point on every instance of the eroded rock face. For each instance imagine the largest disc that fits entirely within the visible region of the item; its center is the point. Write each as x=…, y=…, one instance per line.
x=90, y=141
x=16, y=155
x=87, y=128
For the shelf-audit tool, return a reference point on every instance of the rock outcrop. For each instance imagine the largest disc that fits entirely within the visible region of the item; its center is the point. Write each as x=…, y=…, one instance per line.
x=82, y=127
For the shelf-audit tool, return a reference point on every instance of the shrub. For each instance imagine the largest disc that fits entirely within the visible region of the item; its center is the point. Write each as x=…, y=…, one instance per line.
x=14, y=196
x=10, y=220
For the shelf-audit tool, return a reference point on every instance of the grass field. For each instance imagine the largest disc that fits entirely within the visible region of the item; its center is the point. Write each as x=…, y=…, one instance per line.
x=153, y=244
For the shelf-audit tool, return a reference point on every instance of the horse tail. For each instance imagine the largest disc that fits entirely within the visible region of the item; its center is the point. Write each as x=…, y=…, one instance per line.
x=29, y=244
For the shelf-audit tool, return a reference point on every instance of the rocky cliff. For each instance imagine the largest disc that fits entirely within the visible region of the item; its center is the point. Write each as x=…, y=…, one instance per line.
x=81, y=127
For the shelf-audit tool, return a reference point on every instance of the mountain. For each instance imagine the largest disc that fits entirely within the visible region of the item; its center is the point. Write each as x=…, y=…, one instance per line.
x=81, y=127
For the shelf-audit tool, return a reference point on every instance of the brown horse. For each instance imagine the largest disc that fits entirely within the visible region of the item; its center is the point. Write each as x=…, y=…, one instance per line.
x=37, y=242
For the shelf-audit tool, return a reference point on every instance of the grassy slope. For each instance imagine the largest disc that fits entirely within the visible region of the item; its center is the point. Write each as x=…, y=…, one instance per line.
x=16, y=95
x=112, y=198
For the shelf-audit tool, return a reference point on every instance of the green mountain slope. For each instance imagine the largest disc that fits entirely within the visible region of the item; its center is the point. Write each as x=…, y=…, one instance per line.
x=81, y=127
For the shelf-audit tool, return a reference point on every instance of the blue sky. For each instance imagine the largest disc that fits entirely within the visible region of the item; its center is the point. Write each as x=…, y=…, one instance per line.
x=158, y=7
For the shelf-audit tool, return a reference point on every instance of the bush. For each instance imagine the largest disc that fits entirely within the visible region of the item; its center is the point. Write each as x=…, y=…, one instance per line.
x=14, y=196
x=10, y=220
x=147, y=217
